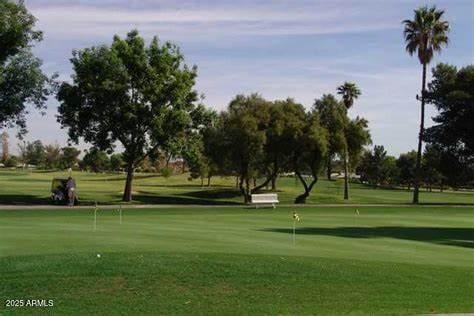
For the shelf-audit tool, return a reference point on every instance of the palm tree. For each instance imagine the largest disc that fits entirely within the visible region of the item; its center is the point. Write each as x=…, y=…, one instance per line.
x=349, y=92
x=425, y=34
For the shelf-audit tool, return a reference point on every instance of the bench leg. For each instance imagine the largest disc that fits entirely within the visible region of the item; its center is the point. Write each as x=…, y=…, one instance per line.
x=273, y=204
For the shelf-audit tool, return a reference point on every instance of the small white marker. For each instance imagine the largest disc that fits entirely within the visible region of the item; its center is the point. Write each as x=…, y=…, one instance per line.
x=98, y=255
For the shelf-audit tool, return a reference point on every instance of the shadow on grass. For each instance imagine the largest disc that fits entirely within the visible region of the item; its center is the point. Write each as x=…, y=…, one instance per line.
x=185, y=186
x=121, y=177
x=213, y=194
x=23, y=199
x=460, y=237
x=147, y=198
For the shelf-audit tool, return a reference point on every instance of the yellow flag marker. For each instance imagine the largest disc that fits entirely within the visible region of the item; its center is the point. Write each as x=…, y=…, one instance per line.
x=296, y=218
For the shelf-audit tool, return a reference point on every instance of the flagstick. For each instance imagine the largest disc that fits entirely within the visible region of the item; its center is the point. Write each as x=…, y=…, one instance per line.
x=95, y=217
x=294, y=226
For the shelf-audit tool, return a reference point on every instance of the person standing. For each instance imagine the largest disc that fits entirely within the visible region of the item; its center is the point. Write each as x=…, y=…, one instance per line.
x=71, y=191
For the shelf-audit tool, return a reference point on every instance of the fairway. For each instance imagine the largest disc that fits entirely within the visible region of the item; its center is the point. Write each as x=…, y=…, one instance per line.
x=237, y=261
x=33, y=187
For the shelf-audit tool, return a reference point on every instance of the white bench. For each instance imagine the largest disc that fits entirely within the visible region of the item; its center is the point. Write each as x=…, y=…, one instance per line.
x=268, y=198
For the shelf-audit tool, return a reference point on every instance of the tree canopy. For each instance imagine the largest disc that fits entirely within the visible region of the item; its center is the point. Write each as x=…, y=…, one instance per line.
x=452, y=93
x=141, y=96
x=21, y=80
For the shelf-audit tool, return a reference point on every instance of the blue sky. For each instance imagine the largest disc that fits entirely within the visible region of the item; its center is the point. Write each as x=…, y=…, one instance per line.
x=299, y=49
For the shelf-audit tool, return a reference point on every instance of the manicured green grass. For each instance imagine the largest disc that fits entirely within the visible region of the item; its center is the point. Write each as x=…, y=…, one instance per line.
x=27, y=187
x=235, y=261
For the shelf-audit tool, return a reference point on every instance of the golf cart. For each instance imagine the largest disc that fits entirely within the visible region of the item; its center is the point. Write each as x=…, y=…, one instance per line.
x=59, y=191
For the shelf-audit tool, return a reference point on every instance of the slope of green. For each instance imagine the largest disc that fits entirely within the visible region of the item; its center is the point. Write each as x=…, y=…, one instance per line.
x=236, y=261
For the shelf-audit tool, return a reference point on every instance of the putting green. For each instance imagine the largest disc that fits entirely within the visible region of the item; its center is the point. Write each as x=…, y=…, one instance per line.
x=390, y=260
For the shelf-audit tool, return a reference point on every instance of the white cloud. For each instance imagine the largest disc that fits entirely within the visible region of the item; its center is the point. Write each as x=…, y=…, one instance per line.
x=205, y=22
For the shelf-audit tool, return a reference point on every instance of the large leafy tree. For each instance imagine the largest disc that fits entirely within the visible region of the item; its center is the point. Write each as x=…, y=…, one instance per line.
x=21, y=80
x=406, y=164
x=52, y=156
x=194, y=152
x=309, y=152
x=357, y=137
x=452, y=92
x=140, y=96
x=239, y=139
x=426, y=34
x=283, y=127
x=69, y=157
x=32, y=153
x=333, y=118
x=349, y=92
x=378, y=168
x=96, y=160
x=431, y=166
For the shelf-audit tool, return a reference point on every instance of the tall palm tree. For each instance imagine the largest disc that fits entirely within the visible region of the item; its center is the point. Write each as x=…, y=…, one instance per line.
x=349, y=92
x=426, y=34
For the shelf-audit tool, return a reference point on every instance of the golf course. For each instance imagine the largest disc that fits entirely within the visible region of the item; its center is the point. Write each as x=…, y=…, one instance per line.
x=236, y=157
x=229, y=258
x=27, y=187
x=238, y=261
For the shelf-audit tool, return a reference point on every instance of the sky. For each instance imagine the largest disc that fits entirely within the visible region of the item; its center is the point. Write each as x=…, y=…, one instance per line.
x=299, y=49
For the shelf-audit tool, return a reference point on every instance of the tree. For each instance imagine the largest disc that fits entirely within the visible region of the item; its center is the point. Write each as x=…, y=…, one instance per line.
x=349, y=92
x=139, y=96
x=96, y=160
x=11, y=162
x=195, y=152
x=333, y=118
x=357, y=137
x=309, y=151
x=452, y=92
x=21, y=79
x=426, y=34
x=116, y=162
x=239, y=138
x=431, y=167
x=69, y=157
x=286, y=121
x=5, y=147
x=52, y=156
x=32, y=153
x=377, y=168
x=406, y=164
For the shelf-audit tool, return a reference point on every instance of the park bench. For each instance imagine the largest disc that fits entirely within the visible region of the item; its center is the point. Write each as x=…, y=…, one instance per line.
x=267, y=198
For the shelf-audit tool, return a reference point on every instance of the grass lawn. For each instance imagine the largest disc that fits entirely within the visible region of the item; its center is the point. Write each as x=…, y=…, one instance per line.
x=237, y=261
x=27, y=187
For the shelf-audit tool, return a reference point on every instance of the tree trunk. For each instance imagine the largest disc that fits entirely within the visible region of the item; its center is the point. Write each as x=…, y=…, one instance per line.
x=274, y=185
x=264, y=184
x=127, y=192
x=329, y=168
x=416, y=191
x=208, y=181
x=346, y=176
x=301, y=199
x=247, y=190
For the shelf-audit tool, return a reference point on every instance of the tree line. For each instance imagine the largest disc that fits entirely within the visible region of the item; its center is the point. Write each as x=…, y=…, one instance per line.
x=142, y=97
